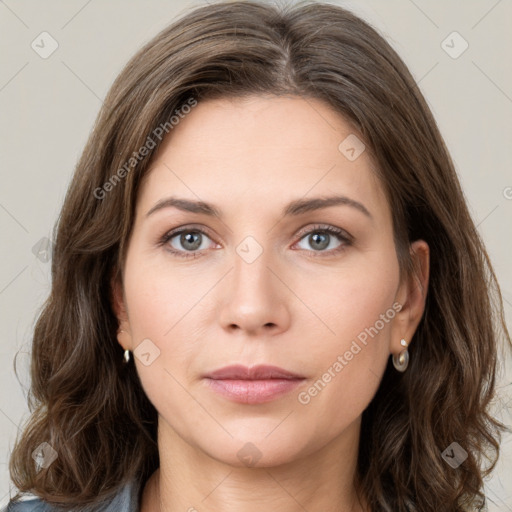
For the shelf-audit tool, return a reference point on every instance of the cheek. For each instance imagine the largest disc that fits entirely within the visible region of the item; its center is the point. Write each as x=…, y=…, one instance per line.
x=159, y=297
x=352, y=299
x=158, y=310
x=357, y=306
x=159, y=306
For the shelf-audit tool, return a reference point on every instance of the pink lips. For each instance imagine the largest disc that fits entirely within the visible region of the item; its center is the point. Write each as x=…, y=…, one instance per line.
x=254, y=385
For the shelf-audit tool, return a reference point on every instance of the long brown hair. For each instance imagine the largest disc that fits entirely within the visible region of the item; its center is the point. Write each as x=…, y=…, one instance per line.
x=93, y=411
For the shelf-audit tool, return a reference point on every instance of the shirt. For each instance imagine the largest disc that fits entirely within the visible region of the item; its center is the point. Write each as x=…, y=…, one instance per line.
x=126, y=500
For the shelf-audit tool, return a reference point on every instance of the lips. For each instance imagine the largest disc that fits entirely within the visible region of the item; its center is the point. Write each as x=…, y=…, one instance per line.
x=259, y=372
x=255, y=385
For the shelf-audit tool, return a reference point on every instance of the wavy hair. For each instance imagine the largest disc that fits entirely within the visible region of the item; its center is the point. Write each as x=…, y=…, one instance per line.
x=93, y=411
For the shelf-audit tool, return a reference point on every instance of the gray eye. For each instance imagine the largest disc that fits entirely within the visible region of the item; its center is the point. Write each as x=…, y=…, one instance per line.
x=189, y=241
x=320, y=240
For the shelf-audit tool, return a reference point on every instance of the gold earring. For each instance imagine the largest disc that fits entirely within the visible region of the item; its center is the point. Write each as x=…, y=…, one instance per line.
x=401, y=361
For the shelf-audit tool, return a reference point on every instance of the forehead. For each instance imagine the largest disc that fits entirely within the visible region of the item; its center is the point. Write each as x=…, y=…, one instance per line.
x=257, y=149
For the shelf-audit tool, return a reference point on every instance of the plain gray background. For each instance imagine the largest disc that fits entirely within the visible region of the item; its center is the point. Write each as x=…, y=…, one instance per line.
x=48, y=106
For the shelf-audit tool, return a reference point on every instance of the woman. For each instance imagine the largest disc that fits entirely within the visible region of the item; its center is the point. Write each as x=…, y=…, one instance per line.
x=264, y=213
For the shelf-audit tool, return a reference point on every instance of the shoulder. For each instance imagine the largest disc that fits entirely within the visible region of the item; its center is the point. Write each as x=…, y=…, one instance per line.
x=126, y=500
x=32, y=505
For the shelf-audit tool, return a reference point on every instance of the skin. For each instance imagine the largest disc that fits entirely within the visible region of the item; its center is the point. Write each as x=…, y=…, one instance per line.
x=289, y=308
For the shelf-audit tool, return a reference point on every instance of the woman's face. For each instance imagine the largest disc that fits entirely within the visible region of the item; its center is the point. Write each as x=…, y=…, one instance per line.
x=262, y=283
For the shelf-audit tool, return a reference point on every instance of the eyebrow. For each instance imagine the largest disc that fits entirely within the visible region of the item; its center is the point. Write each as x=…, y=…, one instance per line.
x=294, y=208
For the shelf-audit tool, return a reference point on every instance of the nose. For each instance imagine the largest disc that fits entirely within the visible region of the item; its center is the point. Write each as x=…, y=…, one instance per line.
x=255, y=297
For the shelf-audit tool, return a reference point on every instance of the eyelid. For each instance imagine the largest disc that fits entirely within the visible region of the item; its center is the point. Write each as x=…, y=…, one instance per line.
x=325, y=227
x=189, y=227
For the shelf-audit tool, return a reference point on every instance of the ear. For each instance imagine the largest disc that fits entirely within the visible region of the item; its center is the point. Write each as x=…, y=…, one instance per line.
x=124, y=336
x=411, y=295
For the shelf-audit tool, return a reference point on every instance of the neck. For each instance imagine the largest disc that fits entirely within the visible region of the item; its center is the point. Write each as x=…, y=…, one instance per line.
x=190, y=480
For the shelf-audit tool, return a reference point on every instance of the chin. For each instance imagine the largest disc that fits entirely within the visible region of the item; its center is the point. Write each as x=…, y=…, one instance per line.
x=257, y=451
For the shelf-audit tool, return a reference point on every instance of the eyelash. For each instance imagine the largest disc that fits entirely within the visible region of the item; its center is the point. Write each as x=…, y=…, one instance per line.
x=342, y=235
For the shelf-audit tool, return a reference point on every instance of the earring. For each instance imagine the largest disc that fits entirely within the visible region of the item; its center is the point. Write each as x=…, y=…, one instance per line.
x=126, y=352
x=401, y=361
